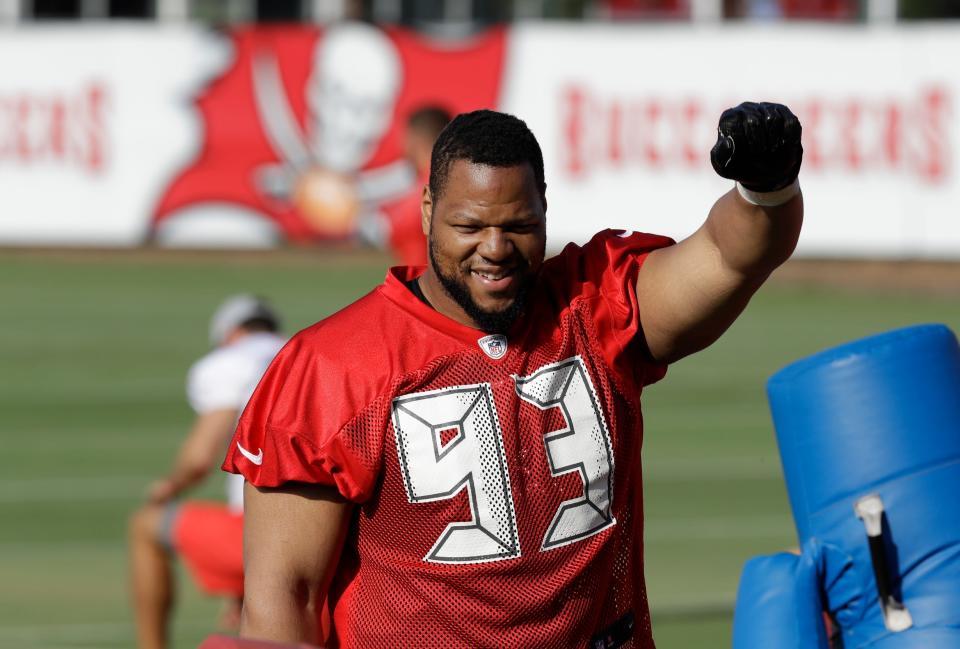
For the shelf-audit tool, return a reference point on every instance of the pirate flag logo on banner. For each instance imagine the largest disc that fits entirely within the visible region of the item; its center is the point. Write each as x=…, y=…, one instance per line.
x=302, y=133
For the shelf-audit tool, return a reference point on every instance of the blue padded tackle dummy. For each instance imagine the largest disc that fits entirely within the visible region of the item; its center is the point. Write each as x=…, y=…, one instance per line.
x=869, y=436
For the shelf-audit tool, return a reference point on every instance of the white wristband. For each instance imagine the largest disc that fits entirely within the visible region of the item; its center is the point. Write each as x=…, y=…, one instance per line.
x=770, y=199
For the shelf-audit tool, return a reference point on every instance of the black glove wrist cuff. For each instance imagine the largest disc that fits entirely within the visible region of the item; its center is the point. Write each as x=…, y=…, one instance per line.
x=770, y=199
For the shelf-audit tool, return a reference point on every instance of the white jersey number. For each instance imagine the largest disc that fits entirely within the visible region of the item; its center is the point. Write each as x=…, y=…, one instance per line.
x=449, y=440
x=472, y=457
x=583, y=445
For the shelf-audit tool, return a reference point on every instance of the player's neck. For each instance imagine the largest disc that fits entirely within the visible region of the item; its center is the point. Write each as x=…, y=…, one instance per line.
x=414, y=286
x=234, y=336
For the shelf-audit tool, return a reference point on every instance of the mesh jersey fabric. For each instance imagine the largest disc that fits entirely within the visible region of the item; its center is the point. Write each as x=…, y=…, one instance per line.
x=225, y=378
x=500, y=500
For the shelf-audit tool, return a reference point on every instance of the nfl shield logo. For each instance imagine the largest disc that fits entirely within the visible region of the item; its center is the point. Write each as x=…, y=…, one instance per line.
x=494, y=346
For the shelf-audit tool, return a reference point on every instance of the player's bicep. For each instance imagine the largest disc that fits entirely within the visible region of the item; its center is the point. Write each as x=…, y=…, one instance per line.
x=292, y=538
x=687, y=297
x=689, y=294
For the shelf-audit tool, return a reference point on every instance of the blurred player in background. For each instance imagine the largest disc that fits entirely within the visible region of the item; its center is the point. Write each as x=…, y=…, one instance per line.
x=206, y=535
x=406, y=238
x=466, y=438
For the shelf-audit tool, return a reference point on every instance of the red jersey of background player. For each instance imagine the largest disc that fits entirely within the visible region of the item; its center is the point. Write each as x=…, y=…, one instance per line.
x=407, y=241
x=498, y=477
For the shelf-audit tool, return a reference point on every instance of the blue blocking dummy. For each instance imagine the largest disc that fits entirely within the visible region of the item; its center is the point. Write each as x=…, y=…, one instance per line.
x=869, y=436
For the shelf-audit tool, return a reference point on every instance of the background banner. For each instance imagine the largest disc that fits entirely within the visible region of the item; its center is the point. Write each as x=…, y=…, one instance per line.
x=124, y=135
x=627, y=117
x=93, y=122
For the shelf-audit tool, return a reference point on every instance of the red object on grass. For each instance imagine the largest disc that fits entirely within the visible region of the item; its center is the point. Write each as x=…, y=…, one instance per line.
x=216, y=567
x=218, y=641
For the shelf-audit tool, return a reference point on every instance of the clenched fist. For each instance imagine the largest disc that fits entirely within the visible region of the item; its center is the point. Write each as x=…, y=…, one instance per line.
x=758, y=145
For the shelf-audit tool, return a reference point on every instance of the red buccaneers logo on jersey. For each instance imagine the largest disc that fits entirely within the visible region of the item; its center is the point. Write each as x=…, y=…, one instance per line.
x=303, y=131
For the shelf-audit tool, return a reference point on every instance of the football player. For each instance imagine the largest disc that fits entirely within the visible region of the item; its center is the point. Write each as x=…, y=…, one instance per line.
x=406, y=237
x=206, y=535
x=454, y=459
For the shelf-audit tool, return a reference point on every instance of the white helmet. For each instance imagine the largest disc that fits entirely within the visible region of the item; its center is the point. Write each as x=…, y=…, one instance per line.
x=236, y=310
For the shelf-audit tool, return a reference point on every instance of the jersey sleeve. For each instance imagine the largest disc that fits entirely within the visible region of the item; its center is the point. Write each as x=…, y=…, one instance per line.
x=605, y=273
x=218, y=381
x=292, y=429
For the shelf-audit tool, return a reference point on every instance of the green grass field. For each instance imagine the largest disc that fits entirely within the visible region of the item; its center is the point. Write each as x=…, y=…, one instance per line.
x=94, y=351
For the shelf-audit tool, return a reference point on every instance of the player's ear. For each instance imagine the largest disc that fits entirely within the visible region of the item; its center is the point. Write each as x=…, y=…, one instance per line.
x=426, y=210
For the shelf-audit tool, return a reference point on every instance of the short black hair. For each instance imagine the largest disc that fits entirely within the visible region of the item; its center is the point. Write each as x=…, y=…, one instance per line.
x=261, y=323
x=489, y=138
x=429, y=120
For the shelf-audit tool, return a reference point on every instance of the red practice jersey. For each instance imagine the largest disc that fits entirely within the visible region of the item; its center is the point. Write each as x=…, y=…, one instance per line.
x=497, y=477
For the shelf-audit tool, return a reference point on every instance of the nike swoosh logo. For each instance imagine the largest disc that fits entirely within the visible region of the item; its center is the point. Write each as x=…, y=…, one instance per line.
x=256, y=459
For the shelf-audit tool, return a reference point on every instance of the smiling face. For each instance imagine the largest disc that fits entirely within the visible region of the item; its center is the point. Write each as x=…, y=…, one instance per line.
x=487, y=236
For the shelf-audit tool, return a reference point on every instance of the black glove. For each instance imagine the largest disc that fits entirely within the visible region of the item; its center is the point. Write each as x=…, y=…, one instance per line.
x=758, y=145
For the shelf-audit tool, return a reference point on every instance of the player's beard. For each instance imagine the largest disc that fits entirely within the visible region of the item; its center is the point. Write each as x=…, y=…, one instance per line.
x=491, y=322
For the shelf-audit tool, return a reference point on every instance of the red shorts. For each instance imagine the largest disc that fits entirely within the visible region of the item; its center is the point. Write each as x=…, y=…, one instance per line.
x=209, y=538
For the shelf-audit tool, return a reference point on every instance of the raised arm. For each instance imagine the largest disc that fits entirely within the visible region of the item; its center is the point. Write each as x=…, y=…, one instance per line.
x=292, y=537
x=689, y=294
